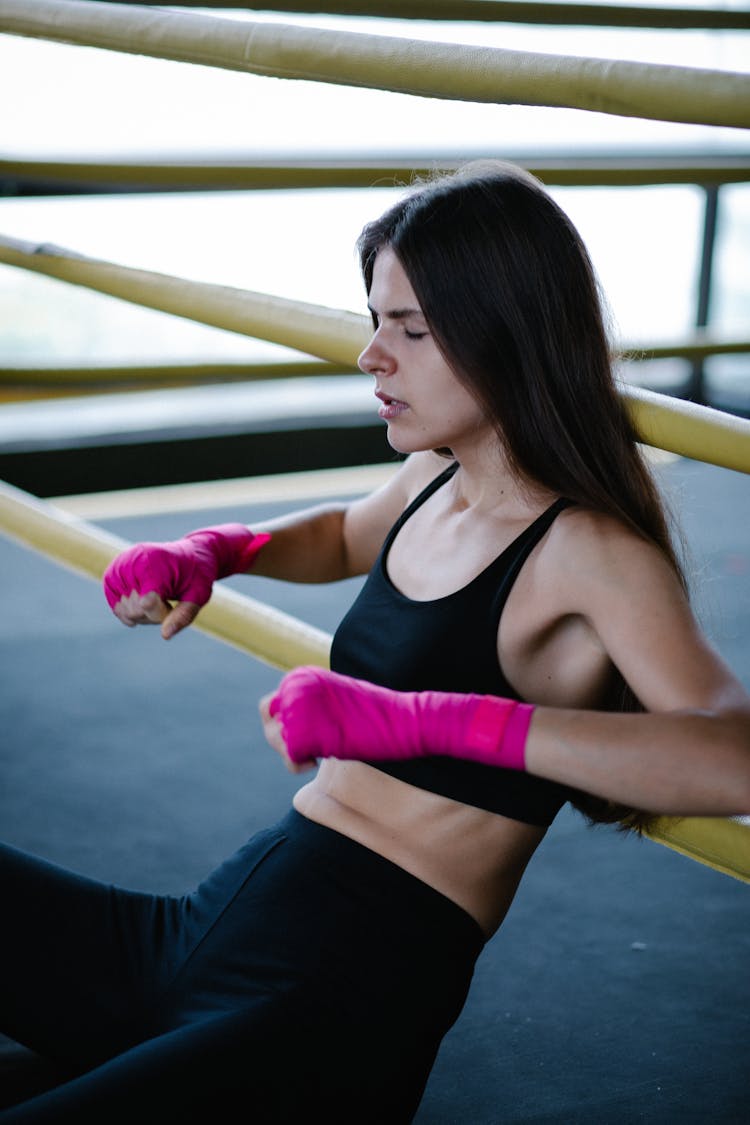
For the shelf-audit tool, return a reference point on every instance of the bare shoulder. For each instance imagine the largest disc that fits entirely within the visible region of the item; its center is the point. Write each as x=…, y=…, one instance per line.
x=594, y=553
x=368, y=520
x=609, y=573
x=629, y=593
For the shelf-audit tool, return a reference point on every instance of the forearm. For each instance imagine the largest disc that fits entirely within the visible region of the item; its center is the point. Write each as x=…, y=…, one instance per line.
x=305, y=546
x=680, y=763
x=675, y=763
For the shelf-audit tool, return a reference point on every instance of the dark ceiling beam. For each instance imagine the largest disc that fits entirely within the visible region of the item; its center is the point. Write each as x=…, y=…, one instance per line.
x=502, y=11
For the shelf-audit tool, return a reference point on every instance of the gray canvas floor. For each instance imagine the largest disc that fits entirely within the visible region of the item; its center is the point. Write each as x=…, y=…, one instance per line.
x=618, y=989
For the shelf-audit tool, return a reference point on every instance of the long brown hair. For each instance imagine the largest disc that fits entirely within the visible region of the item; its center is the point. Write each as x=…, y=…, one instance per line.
x=511, y=297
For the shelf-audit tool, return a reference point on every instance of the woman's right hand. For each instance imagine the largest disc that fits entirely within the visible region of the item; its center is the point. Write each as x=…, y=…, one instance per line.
x=141, y=583
x=150, y=609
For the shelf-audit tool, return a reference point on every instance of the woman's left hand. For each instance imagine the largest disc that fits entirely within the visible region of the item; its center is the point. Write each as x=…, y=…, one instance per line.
x=275, y=737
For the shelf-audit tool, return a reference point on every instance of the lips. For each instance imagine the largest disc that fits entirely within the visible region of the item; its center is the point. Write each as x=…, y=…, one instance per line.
x=390, y=407
x=389, y=400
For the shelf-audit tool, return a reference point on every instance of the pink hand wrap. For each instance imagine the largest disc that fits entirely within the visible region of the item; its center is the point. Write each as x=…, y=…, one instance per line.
x=326, y=715
x=183, y=570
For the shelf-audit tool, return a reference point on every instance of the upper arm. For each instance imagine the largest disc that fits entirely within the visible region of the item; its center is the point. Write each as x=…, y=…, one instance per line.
x=635, y=604
x=328, y=542
x=368, y=520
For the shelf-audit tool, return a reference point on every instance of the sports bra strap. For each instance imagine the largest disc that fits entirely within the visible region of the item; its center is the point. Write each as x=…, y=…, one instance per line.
x=513, y=558
x=417, y=502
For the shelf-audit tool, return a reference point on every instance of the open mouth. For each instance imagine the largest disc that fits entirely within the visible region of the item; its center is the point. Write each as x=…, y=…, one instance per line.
x=390, y=407
x=388, y=400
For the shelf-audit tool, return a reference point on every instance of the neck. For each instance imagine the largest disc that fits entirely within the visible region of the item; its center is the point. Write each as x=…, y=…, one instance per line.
x=485, y=482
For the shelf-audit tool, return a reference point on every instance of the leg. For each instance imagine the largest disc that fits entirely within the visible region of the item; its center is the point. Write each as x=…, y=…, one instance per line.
x=74, y=959
x=268, y=1064
x=306, y=974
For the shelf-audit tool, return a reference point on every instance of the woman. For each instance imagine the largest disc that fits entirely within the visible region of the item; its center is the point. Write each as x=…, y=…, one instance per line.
x=523, y=638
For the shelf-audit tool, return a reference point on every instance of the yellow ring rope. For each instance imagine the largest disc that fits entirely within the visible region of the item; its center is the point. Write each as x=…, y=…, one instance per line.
x=693, y=431
x=667, y=93
x=719, y=842
x=75, y=378
x=679, y=427
x=327, y=333
x=113, y=376
x=285, y=642
x=429, y=69
x=266, y=633
x=361, y=172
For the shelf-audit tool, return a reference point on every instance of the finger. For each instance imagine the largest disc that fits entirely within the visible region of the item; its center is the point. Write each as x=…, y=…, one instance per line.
x=300, y=767
x=153, y=608
x=274, y=735
x=178, y=618
x=141, y=609
x=272, y=729
x=264, y=706
x=275, y=738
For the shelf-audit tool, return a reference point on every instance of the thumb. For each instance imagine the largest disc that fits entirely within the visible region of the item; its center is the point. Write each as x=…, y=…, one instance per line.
x=178, y=618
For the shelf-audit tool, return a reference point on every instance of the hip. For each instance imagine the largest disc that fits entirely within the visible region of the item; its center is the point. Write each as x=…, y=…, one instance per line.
x=471, y=856
x=304, y=911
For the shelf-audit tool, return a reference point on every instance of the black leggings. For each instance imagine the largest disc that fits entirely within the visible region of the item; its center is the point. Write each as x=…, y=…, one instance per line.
x=306, y=975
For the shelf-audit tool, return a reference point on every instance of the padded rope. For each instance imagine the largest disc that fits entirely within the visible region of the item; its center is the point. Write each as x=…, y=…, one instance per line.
x=409, y=66
x=667, y=423
x=274, y=637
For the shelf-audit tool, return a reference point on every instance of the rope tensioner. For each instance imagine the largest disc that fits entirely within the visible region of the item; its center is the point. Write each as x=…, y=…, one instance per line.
x=408, y=66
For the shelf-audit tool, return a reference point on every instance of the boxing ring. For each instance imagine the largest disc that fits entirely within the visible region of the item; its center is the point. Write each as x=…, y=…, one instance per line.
x=332, y=338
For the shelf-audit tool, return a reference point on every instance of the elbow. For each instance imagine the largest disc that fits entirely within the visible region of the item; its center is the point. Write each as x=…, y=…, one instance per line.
x=719, y=771
x=739, y=738
x=744, y=787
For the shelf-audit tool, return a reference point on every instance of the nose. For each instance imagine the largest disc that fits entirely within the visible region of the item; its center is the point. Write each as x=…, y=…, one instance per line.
x=375, y=359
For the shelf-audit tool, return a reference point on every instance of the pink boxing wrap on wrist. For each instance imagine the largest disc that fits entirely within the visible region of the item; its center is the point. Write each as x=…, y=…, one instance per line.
x=326, y=715
x=184, y=569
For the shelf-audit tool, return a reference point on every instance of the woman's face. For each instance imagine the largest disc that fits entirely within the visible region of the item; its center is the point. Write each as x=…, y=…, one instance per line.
x=422, y=401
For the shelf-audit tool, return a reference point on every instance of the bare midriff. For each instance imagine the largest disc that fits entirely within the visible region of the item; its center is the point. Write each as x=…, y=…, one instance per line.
x=473, y=857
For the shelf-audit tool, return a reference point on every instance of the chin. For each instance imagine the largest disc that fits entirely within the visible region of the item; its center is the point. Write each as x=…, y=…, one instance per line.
x=402, y=444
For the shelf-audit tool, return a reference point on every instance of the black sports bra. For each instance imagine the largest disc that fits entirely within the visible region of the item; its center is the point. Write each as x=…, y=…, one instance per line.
x=446, y=644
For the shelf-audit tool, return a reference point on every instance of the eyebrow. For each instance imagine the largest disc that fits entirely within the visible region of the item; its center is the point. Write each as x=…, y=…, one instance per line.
x=398, y=314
